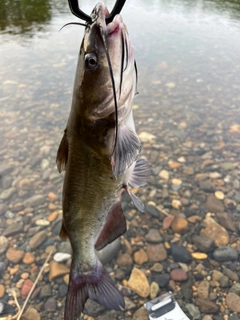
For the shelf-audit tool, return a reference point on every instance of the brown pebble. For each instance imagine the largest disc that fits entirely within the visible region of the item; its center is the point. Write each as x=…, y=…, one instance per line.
x=179, y=225
x=178, y=275
x=156, y=252
x=56, y=270
x=53, y=216
x=27, y=285
x=28, y=258
x=233, y=302
x=140, y=257
x=24, y=275
x=14, y=255
x=2, y=290
x=139, y=283
x=167, y=222
x=52, y=196
x=124, y=260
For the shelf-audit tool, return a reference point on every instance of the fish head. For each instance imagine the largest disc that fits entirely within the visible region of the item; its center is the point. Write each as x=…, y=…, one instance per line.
x=105, y=49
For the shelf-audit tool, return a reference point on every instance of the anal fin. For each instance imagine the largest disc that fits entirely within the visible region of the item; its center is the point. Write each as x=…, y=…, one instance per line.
x=114, y=227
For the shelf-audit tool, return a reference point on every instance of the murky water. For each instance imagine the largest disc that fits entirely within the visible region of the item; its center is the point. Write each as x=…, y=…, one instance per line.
x=188, y=55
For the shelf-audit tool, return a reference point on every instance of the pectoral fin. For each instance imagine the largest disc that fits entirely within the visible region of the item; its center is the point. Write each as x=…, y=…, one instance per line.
x=62, y=154
x=140, y=174
x=127, y=149
x=114, y=227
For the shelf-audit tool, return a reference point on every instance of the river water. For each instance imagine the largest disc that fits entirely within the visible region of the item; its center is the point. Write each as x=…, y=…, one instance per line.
x=188, y=117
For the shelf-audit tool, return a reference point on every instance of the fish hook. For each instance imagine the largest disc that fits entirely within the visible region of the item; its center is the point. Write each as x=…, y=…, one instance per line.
x=73, y=5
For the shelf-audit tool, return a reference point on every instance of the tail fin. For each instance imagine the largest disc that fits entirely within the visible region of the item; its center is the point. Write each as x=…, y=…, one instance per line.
x=97, y=286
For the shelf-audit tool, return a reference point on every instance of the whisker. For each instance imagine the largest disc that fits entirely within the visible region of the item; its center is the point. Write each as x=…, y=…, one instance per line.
x=114, y=89
x=77, y=23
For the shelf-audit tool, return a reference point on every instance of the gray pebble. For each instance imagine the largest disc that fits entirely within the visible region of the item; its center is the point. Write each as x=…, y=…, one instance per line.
x=50, y=305
x=3, y=208
x=7, y=193
x=235, y=288
x=35, y=201
x=225, y=253
x=3, y=244
x=153, y=236
x=46, y=291
x=13, y=229
x=193, y=311
x=203, y=243
x=230, y=274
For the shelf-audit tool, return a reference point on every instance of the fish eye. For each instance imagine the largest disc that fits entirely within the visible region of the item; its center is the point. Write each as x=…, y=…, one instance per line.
x=91, y=61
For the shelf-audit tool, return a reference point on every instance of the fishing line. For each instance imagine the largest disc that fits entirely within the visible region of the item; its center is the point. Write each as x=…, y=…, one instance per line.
x=122, y=64
x=77, y=23
x=114, y=89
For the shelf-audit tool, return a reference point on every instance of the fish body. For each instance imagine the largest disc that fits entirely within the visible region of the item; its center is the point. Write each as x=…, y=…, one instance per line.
x=99, y=152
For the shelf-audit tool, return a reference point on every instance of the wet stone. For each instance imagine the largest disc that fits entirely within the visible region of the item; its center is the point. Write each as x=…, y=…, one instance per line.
x=37, y=239
x=140, y=257
x=56, y=270
x=46, y=291
x=14, y=255
x=216, y=232
x=152, y=210
x=203, y=243
x=162, y=279
x=224, y=282
x=193, y=311
x=141, y=314
x=225, y=253
x=180, y=254
x=178, y=275
x=156, y=252
x=179, y=225
x=213, y=204
x=62, y=290
x=203, y=289
x=35, y=201
x=61, y=256
x=153, y=236
x=3, y=244
x=230, y=274
x=50, y=305
x=139, y=283
x=226, y=220
x=233, y=302
x=7, y=193
x=157, y=267
x=154, y=289
x=206, y=306
x=235, y=288
x=206, y=185
x=27, y=285
x=124, y=260
x=3, y=208
x=13, y=229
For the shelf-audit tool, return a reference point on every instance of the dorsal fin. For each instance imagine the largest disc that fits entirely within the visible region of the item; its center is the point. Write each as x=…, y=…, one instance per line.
x=114, y=227
x=62, y=154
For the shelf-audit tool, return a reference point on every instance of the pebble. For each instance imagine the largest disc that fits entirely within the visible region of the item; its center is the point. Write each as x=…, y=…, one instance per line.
x=138, y=283
x=46, y=291
x=30, y=314
x=28, y=258
x=178, y=275
x=199, y=255
x=233, y=301
x=61, y=256
x=37, y=239
x=62, y=290
x=3, y=208
x=157, y=267
x=193, y=311
x=167, y=222
x=53, y=216
x=27, y=285
x=3, y=244
x=207, y=306
x=146, y=137
x=156, y=252
x=50, y=305
x=180, y=254
x=2, y=290
x=140, y=257
x=13, y=229
x=154, y=289
x=235, y=288
x=14, y=255
x=176, y=204
x=225, y=253
x=141, y=314
x=153, y=236
x=203, y=243
x=42, y=222
x=207, y=186
x=226, y=220
x=35, y=201
x=230, y=274
x=124, y=260
x=215, y=231
x=203, y=289
x=7, y=193
x=213, y=204
x=219, y=195
x=56, y=270
x=164, y=174
x=179, y=225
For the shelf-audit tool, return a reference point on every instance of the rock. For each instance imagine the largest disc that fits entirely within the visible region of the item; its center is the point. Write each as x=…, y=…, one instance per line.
x=5, y=169
x=233, y=301
x=203, y=243
x=46, y=291
x=179, y=225
x=176, y=204
x=226, y=220
x=3, y=267
x=27, y=286
x=216, y=275
x=50, y=305
x=203, y=289
x=213, y=204
x=230, y=274
x=13, y=229
x=227, y=166
x=139, y=283
x=61, y=256
x=62, y=290
x=206, y=185
x=199, y=255
x=207, y=306
x=193, y=311
x=30, y=314
x=154, y=289
x=156, y=252
x=3, y=244
x=152, y=210
x=157, y=267
x=162, y=279
x=2, y=290
x=188, y=171
x=14, y=255
x=42, y=223
x=225, y=253
x=37, y=239
x=235, y=288
x=124, y=260
x=153, y=236
x=224, y=282
x=146, y=137
x=178, y=275
x=216, y=232
x=3, y=208
x=35, y=201
x=167, y=222
x=56, y=270
x=53, y=216
x=140, y=257
x=164, y=174
x=28, y=258
x=7, y=193
x=219, y=195
x=141, y=314
x=129, y=305
x=180, y=254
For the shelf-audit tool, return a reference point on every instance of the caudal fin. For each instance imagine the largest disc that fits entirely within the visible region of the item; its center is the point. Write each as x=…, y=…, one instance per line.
x=97, y=286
